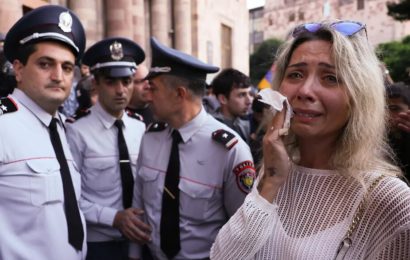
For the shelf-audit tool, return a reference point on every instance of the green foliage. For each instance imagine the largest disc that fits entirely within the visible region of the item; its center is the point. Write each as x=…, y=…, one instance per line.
x=399, y=11
x=261, y=61
x=396, y=56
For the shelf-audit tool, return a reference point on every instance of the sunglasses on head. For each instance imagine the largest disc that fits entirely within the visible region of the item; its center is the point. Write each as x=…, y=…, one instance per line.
x=346, y=28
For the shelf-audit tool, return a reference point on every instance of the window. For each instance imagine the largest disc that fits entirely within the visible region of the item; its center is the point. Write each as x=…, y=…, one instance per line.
x=360, y=4
x=226, y=44
x=291, y=17
x=301, y=16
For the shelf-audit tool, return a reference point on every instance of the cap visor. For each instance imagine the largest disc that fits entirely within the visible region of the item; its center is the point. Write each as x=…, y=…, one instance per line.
x=118, y=72
x=152, y=75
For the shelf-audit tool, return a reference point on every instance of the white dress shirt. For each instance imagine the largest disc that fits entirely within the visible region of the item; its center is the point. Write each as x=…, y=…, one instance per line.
x=32, y=218
x=210, y=188
x=94, y=145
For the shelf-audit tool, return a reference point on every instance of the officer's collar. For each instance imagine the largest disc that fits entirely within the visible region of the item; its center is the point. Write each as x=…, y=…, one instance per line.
x=27, y=102
x=193, y=126
x=106, y=119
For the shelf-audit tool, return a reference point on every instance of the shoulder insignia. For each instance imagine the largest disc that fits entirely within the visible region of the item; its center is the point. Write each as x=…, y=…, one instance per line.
x=134, y=115
x=156, y=127
x=80, y=114
x=7, y=105
x=70, y=120
x=245, y=175
x=224, y=137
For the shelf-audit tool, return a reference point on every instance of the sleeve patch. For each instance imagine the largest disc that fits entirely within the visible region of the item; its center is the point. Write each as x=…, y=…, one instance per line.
x=7, y=105
x=226, y=138
x=245, y=175
x=156, y=127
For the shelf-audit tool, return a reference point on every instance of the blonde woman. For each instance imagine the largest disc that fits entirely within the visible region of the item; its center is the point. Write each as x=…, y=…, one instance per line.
x=327, y=191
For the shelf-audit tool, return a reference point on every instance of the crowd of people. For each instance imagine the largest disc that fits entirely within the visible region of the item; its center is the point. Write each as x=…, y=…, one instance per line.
x=102, y=157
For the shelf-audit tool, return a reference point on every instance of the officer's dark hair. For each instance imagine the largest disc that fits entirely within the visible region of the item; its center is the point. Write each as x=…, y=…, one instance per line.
x=196, y=86
x=399, y=90
x=24, y=52
x=227, y=80
x=98, y=75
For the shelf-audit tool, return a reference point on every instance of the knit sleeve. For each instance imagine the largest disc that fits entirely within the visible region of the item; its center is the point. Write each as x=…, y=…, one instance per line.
x=247, y=230
x=398, y=248
x=390, y=217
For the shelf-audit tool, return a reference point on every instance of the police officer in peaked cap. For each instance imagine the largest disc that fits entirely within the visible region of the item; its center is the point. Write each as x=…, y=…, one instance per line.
x=40, y=186
x=193, y=172
x=105, y=144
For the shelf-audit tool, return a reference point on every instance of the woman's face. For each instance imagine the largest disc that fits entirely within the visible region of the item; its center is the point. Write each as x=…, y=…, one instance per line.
x=319, y=100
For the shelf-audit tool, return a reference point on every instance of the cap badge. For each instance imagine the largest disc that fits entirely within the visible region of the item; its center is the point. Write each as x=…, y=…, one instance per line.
x=116, y=51
x=65, y=21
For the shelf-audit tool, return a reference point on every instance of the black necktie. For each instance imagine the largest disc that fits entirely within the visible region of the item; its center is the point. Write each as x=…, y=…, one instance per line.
x=74, y=225
x=170, y=240
x=127, y=179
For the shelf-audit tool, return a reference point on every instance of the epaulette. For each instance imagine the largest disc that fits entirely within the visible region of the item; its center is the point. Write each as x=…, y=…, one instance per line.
x=226, y=138
x=134, y=115
x=7, y=105
x=80, y=114
x=156, y=127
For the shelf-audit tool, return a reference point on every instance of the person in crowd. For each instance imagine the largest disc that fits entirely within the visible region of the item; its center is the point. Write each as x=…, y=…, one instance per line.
x=232, y=88
x=209, y=101
x=260, y=119
x=398, y=101
x=193, y=171
x=85, y=93
x=70, y=105
x=7, y=76
x=39, y=183
x=105, y=145
x=328, y=190
x=138, y=104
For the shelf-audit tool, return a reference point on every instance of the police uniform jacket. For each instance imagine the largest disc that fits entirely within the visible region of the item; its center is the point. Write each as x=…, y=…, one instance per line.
x=211, y=183
x=242, y=127
x=93, y=142
x=32, y=219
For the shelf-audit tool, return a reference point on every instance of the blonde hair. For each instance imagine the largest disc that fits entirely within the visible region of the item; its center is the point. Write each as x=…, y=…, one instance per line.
x=362, y=146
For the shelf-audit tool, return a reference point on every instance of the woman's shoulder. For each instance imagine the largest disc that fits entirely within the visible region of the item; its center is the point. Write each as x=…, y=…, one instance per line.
x=390, y=199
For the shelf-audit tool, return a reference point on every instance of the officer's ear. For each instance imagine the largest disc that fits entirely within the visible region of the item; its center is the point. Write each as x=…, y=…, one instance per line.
x=18, y=67
x=181, y=91
x=222, y=99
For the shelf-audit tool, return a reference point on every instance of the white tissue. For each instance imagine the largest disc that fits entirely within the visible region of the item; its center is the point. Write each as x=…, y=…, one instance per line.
x=276, y=100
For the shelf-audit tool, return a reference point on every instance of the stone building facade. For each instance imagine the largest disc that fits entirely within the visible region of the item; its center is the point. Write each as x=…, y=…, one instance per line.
x=281, y=15
x=277, y=17
x=256, y=28
x=212, y=30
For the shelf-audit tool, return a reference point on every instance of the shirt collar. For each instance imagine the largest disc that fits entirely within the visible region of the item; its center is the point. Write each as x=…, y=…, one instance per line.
x=106, y=119
x=27, y=102
x=190, y=128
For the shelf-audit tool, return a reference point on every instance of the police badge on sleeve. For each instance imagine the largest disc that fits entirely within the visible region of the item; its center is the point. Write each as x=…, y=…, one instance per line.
x=245, y=175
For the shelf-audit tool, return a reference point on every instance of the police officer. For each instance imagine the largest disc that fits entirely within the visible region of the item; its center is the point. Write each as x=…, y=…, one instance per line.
x=105, y=144
x=39, y=184
x=193, y=171
x=139, y=103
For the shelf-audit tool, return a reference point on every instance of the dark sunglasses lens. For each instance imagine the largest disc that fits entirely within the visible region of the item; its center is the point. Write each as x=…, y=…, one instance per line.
x=348, y=28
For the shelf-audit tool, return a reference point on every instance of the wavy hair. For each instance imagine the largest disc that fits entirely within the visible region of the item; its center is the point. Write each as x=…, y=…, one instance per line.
x=362, y=146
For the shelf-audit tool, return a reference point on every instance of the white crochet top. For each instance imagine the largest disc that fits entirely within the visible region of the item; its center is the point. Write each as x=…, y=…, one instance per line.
x=311, y=216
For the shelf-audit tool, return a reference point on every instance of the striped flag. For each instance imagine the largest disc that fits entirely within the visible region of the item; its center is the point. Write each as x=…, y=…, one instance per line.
x=266, y=81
